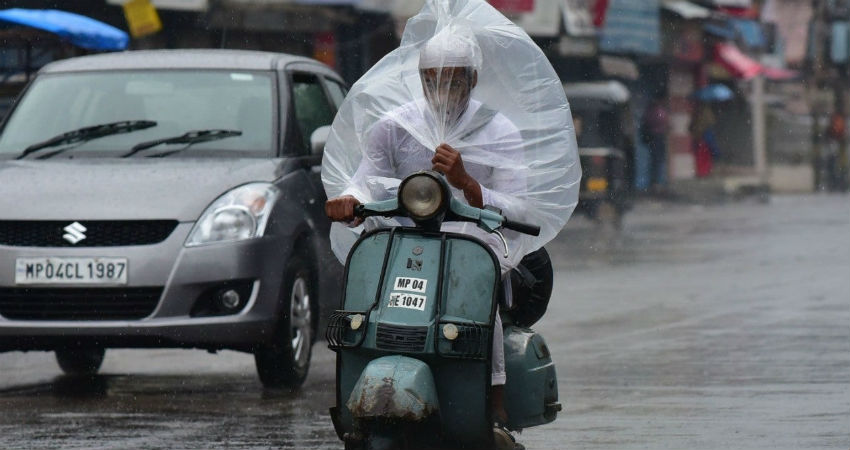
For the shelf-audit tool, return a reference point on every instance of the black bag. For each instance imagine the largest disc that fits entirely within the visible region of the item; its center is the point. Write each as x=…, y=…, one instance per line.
x=531, y=285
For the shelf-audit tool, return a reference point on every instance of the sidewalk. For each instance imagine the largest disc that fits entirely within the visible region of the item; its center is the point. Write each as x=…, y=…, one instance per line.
x=708, y=190
x=732, y=183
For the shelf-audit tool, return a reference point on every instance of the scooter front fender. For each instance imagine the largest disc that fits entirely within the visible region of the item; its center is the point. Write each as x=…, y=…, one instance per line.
x=394, y=387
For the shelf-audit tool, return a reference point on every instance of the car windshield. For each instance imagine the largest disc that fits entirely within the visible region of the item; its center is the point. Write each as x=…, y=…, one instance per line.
x=178, y=101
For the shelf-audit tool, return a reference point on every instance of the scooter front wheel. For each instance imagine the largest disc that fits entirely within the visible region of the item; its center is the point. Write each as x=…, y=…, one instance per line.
x=355, y=445
x=80, y=361
x=378, y=437
x=374, y=442
x=383, y=442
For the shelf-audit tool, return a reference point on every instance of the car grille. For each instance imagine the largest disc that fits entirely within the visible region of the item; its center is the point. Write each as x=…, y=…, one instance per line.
x=98, y=233
x=78, y=303
x=401, y=338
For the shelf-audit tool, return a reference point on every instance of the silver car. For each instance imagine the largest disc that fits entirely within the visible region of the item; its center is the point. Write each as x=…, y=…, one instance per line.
x=168, y=199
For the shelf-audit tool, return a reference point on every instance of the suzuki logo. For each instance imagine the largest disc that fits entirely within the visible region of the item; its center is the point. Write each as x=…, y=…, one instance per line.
x=74, y=233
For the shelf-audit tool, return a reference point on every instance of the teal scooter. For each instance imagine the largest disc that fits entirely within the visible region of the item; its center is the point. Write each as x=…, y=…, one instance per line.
x=414, y=336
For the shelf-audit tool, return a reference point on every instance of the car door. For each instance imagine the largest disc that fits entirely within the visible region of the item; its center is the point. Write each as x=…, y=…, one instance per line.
x=337, y=90
x=312, y=108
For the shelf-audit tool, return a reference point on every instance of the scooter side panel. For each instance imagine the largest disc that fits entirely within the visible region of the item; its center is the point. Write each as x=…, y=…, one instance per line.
x=532, y=388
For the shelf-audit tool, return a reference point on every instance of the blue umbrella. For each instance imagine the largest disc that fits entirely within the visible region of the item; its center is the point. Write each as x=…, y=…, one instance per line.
x=713, y=93
x=79, y=30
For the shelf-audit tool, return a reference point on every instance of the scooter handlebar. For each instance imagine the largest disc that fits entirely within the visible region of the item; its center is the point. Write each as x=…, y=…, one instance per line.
x=525, y=228
x=360, y=211
x=383, y=208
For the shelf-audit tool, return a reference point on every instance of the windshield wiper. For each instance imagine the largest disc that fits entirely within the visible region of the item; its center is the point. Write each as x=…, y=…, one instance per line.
x=88, y=133
x=190, y=138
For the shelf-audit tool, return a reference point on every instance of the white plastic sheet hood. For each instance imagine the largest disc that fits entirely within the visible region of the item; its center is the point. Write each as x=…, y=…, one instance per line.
x=490, y=93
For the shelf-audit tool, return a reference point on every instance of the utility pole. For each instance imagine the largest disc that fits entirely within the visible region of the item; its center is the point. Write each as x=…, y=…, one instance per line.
x=815, y=94
x=759, y=130
x=826, y=78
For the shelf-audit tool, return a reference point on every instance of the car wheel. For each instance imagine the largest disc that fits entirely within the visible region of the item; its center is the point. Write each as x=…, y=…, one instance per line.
x=285, y=363
x=80, y=361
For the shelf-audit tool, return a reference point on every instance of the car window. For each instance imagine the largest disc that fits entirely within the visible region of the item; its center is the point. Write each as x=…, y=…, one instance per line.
x=178, y=101
x=337, y=92
x=312, y=108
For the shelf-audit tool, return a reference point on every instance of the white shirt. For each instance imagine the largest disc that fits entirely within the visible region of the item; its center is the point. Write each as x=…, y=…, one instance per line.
x=490, y=147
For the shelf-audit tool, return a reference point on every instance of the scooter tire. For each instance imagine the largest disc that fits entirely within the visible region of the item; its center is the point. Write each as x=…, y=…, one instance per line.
x=80, y=361
x=383, y=442
x=355, y=445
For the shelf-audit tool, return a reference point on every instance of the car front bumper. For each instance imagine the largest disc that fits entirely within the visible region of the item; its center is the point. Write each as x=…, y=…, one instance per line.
x=184, y=275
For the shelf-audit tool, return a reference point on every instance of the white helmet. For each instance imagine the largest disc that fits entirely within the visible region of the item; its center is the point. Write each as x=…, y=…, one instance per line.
x=451, y=47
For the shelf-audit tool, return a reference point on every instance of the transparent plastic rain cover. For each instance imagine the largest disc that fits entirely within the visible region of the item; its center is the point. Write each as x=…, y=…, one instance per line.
x=466, y=76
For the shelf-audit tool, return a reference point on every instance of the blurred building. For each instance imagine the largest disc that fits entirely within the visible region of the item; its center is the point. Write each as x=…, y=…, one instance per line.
x=25, y=49
x=667, y=47
x=676, y=47
x=340, y=33
x=336, y=32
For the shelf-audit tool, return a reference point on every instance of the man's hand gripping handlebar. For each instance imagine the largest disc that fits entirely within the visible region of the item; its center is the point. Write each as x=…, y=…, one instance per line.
x=342, y=209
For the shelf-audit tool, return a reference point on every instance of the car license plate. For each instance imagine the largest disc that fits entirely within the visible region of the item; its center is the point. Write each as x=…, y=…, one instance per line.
x=90, y=271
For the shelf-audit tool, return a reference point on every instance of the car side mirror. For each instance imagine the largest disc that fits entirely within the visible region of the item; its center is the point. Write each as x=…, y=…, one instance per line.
x=318, y=140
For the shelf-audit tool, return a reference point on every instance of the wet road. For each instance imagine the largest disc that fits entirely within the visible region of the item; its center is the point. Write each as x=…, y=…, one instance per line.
x=724, y=326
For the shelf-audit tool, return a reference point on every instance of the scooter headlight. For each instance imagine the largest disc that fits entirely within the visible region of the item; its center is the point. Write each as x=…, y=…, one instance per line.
x=422, y=196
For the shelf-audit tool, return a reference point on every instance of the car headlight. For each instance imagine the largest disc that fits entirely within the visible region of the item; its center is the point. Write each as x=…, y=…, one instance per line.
x=241, y=213
x=422, y=196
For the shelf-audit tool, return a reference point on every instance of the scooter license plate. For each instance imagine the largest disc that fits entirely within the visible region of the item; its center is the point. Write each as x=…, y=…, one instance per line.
x=405, y=300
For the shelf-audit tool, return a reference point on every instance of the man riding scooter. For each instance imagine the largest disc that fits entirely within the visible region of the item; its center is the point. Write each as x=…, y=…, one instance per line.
x=448, y=73
x=483, y=155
